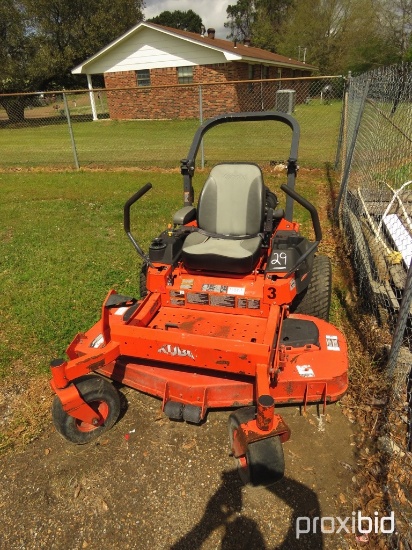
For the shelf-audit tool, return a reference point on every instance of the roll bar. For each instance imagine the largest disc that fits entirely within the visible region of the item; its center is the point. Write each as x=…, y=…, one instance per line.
x=188, y=164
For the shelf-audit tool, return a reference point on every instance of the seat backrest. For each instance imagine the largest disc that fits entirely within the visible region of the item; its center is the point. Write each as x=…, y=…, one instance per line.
x=232, y=201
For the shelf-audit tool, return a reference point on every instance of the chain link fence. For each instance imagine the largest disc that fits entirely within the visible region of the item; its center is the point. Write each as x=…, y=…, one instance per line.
x=376, y=215
x=153, y=127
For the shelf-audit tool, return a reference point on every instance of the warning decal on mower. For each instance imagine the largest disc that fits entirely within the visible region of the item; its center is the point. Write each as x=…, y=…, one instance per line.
x=238, y=290
x=187, y=283
x=305, y=371
x=198, y=298
x=332, y=343
x=248, y=303
x=177, y=297
x=214, y=288
x=222, y=301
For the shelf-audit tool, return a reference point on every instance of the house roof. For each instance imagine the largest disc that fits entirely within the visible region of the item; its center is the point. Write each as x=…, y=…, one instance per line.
x=247, y=53
x=232, y=51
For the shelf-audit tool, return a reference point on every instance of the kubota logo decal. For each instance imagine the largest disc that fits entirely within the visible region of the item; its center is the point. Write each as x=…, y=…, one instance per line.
x=168, y=349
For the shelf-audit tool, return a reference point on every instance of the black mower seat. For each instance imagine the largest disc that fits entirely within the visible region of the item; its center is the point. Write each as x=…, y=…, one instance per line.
x=230, y=217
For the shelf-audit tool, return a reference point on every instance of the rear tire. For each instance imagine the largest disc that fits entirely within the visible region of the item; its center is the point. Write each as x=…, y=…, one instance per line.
x=264, y=462
x=316, y=300
x=101, y=396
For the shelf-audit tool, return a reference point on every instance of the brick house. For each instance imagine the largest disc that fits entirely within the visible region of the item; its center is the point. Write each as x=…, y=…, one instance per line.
x=151, y=66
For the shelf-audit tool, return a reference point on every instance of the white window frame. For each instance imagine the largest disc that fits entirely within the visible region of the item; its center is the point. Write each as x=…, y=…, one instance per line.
x=185, y=75
x=143, y=78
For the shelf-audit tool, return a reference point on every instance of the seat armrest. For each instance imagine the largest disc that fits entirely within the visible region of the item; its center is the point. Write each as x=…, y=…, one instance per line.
x=184, y=215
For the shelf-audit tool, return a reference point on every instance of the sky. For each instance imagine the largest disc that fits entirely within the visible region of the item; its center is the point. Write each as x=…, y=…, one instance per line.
x=212, y=12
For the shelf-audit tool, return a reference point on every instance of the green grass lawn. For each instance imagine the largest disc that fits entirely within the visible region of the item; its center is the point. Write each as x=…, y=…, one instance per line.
x=63, y=248
x=162, y=143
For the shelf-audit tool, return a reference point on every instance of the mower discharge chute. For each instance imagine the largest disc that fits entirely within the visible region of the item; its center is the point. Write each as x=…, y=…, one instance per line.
x=233, y=313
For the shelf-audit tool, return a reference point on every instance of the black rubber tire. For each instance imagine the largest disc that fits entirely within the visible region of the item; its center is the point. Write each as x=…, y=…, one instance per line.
x=264, y=462
x=316, y=300
x=271, y=199
x=100, y=394
x=142, y=281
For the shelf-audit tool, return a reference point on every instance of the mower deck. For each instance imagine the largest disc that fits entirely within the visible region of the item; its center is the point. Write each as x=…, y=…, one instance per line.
x=209, y=359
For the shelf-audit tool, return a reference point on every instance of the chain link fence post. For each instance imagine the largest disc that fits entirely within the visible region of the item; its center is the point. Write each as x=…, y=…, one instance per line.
x=202, y=150
x=69, y=124
x=340, y=149
x=348, y=159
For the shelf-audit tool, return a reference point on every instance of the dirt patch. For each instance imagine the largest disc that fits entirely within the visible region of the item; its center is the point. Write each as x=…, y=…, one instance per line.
x=153, y=483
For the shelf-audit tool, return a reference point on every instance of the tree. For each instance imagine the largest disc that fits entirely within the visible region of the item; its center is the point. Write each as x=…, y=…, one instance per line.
x=338, y=35
x=241, y=16
x=315, y=26
x=185, y=20
x=366, y=44
x=70, y=32
x=42, y=40
x=396, y=19
x=269, y=18
x=259, y=20
x=17, y=48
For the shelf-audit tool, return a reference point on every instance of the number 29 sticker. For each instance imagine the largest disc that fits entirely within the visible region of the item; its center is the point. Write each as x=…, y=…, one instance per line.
x=278, y=260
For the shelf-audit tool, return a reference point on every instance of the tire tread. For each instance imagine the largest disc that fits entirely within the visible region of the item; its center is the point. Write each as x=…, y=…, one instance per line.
x=317, y=299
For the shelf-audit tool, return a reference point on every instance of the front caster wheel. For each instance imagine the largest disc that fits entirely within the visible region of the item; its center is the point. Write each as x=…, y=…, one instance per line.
x=102, y=397
x=264, y=463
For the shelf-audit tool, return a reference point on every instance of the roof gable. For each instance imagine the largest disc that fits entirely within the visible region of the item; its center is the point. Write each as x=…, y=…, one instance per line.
x=147, y=46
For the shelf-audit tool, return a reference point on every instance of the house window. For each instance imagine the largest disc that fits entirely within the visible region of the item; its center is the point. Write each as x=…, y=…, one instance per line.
x=143, y=77
x=185, y=75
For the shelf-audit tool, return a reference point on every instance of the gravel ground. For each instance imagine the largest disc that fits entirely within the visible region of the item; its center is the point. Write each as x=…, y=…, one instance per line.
x=153, y=483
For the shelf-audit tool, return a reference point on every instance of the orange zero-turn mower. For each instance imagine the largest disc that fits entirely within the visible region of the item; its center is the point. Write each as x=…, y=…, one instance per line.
x=233, y=312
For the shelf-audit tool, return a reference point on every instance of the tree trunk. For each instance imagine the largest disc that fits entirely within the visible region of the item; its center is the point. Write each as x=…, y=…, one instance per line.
x=14, y=107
